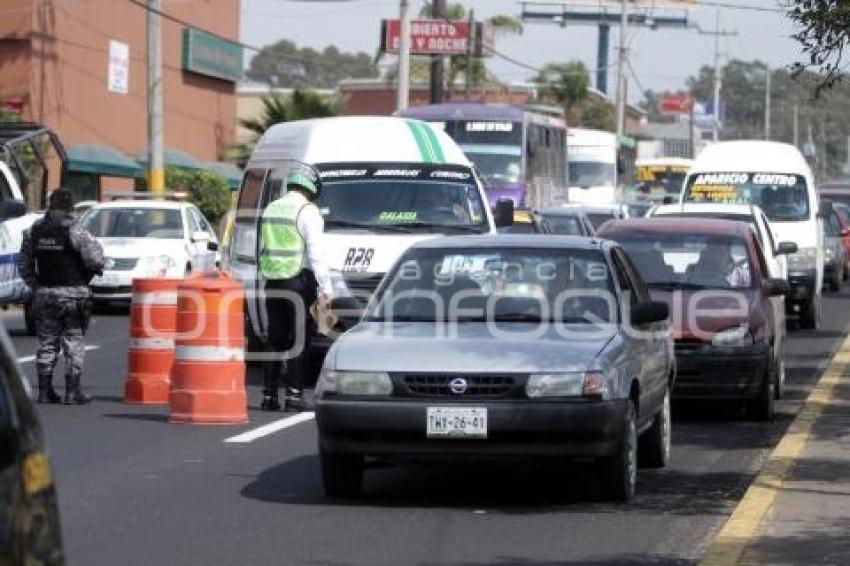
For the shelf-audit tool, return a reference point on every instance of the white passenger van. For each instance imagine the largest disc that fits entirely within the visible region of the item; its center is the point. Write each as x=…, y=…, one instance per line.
x=592, y=167
x=777, y=178
x=387, y=183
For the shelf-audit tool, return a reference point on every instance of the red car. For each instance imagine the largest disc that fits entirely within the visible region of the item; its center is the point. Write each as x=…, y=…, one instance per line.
x=842, y=213
x=727, y=314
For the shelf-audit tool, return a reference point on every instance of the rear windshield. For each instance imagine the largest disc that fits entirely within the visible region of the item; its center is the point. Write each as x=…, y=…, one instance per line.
x=784, y=198
x=134, y=223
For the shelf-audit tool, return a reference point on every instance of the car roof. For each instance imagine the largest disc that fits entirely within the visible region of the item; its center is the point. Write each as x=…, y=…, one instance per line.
x=539, y=241
x=664, y=161
x=587, y=208
x=673, y=225
x=561, y=210
x=707, y=208
x=748, y=156
x=160, y=204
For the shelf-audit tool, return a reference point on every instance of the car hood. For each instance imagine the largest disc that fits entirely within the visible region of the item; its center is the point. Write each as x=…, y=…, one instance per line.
x=695, y=316
x=468, y=347
x=139, y=247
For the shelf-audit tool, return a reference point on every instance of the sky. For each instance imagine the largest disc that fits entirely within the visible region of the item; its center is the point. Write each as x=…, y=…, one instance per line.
x=662, y=60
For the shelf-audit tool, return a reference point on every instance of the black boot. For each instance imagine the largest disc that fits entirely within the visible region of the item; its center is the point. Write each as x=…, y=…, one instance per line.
x=46, y=393
x=270, y=403
x=73, y=391
x=271, y=373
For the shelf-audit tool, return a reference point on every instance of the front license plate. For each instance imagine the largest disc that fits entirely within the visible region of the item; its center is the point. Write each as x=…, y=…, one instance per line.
x=457, y=422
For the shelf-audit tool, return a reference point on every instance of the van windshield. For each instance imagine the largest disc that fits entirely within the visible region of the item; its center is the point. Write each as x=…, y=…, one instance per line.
x=402, y=199
x=784, y=198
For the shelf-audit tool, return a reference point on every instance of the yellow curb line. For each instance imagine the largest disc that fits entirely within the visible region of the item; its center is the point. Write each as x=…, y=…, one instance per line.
x=743, y=525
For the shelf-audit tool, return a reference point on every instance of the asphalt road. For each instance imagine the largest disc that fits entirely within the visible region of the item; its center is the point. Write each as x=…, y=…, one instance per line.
x=135, y=489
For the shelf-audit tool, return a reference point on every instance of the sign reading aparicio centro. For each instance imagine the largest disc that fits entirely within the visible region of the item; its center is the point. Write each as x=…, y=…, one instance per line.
x=439, y=37
x=212, y=56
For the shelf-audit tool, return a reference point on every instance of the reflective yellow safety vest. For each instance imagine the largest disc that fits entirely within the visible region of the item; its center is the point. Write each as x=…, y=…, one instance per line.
x=282, y=251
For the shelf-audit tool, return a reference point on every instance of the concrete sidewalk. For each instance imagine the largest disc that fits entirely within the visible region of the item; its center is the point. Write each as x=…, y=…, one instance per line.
x=797, y=511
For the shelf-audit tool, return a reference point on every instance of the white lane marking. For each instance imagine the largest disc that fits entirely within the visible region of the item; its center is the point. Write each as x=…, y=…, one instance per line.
x=28, y=359
x=271, y=428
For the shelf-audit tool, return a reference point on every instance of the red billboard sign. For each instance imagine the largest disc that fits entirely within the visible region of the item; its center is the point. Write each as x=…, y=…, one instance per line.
x=429, y=37
x=675, y=103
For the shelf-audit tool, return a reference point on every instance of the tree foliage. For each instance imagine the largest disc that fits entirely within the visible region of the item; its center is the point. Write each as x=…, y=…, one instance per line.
x=824, y=33
x=207, y=190
x=301, y=105
x=566, y=85
x=284, y=64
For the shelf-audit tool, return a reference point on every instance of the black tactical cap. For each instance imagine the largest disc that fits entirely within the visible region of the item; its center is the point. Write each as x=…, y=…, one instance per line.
x=61, y=199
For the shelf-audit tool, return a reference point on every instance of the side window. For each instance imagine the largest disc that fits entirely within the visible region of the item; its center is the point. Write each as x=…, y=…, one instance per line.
x=192, y=222
x=762, y=263
x=833, y=229
x=249, y=195
x=201, y=220
x=641, y=292
x=622, y=276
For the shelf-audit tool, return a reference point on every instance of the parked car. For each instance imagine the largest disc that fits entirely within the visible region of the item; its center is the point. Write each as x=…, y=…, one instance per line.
x=567, y=221
x=525, y=222
x=537, y=362
x=835, y=255
x=147, y=239
x=712, y=273
x=30, y=531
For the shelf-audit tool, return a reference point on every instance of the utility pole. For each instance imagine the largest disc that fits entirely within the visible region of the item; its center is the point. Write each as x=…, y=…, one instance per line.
x=156, y=172
x=469, y=46
x=767, y=105
x=437, y=71
x=403, y=87
x=621, y=71
x=718, y=71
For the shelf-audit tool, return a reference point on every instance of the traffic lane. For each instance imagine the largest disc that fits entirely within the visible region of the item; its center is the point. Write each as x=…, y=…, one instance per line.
x=138, y=490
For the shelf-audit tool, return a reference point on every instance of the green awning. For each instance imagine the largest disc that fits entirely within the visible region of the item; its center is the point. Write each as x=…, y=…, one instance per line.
x=101, y=160
x=174, y=158
x=231, y=172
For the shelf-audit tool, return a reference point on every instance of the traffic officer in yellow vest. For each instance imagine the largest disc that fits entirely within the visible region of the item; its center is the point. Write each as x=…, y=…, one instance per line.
x=293, y=265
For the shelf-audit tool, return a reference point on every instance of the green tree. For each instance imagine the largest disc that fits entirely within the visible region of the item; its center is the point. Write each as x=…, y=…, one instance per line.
x=823, y=30
x=284, y=64
x=207, y=190
x=566, y=85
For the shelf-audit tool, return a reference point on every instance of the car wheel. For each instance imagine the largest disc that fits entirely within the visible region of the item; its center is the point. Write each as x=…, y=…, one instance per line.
x=761, y=408
x=342, y=474
x=654, y=444
x=810, y=315
x=619, y=472
x=29, y=319
x=779, y=387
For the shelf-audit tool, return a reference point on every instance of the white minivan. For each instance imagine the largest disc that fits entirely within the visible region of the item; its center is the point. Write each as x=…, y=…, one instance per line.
x=777, y=178
x=387, y=183
x=592, y=167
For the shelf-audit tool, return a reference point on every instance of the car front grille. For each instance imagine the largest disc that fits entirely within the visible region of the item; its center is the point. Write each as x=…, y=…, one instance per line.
x=122, y=263
x=121, y=290
x=440, y=385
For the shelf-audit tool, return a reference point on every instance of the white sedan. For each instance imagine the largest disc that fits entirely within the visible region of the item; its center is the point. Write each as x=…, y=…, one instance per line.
x=148, y=239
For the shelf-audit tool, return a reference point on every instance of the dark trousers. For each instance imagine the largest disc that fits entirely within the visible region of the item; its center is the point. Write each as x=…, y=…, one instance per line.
x=286, y=315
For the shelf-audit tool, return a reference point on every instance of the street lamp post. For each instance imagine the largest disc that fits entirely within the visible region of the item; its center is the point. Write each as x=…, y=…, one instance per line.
x=403, y=87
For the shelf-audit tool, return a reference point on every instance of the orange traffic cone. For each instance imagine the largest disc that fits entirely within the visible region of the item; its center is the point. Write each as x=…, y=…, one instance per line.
x=208, y=378
x=151, y=354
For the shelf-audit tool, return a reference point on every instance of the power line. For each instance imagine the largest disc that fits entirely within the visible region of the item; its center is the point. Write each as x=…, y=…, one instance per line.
x=731, y=6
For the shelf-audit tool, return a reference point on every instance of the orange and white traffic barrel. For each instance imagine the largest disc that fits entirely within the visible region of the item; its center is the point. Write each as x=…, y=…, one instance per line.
x=153, y=314
x=208, y=377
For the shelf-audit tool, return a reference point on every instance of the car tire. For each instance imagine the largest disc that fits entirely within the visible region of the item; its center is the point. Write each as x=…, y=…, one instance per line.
x=29, y=319
x=342, y=474
x=762, y=407
x=654, y=444
x=619, y=472
x=810, y=315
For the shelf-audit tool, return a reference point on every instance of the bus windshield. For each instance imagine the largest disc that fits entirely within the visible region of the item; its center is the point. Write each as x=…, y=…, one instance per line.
x=783, y=197
x=500, y=164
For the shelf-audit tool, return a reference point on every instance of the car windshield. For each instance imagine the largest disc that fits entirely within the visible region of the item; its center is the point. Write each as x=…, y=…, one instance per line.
x=402, y=200
x=160, y=223
x=512, y=285
x=564, y=224
x=592, y=173
x=688, y=261
x=784, y=198
x=500, y=164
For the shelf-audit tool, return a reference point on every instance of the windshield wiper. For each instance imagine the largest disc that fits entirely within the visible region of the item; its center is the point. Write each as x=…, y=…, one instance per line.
x=366, y=226
x=438, y=227
x=675, y=285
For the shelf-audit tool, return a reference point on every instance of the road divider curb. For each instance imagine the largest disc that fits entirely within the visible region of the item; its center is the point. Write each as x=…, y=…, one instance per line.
x=743, y=525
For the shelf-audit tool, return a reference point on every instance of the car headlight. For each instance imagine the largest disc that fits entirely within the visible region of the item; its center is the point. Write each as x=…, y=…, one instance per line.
x=354, y=383
x=829, y=254
x=572, y=384
x=805, y=259
x=734, y=337
x=158, y=264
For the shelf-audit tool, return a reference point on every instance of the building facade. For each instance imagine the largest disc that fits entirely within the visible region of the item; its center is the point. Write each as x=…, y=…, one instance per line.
x=80, y=67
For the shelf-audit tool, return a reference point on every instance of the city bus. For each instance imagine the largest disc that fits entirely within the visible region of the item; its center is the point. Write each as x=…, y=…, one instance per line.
x=659, y=178
x=520, y=151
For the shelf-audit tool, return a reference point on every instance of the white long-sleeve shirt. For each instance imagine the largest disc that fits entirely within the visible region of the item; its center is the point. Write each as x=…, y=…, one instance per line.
x=311, y=226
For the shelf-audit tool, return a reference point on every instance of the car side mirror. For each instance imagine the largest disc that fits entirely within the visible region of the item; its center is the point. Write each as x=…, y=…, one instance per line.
x=12, y=208
x=201, y=236
x=648, y=312
x=212, y=246
x=786, y=248
x=504, y=213
x=825, y=210
x=775, y=287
